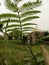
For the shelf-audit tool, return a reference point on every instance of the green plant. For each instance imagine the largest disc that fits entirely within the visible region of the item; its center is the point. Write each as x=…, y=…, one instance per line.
x=20, y=16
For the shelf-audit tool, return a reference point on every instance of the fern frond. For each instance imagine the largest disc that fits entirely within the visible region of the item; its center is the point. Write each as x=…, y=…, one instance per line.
x=28, y=28
x=26, y=33
x=11, y=6
x=17, y=1
x=12, y=20
x=26, y=24
x=29, y=18
x=8, y=15
x=28, y=13
x=10, y=26
x=9, y=30
x=29, y=6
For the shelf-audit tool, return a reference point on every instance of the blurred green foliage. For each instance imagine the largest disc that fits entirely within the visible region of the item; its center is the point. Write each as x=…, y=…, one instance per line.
x=18, y=54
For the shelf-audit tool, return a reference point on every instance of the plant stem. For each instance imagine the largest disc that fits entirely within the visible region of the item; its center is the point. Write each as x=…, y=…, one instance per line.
x=20, y=27
x=20, y=22
x=33, y=56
